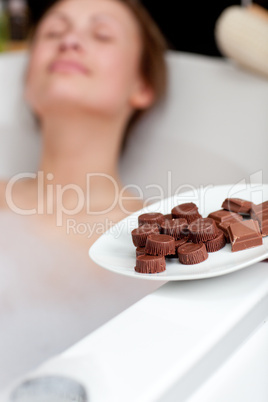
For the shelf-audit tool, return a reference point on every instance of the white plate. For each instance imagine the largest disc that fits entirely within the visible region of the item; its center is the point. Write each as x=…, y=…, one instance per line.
x=115, y=251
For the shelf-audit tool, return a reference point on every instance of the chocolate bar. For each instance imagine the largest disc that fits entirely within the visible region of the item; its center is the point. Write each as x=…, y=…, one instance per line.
x=244, y=235
x=222, y=216
x=237, y=205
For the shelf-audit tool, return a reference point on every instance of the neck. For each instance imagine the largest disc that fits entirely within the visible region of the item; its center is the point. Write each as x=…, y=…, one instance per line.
x=81, y=152
x=78, y=146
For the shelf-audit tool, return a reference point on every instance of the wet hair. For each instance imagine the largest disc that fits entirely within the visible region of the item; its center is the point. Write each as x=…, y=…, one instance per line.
x=153, y=66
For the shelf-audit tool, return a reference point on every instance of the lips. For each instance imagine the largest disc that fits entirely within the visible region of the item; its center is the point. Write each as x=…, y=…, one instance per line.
x=68, y=66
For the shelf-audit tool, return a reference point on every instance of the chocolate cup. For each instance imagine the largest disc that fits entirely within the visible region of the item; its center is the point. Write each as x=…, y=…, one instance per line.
x=178, y=243
x=168, y=217
x=216, y=244
x=160, y=244
x=140, y=251
x=150, y=264
x=202, y=230
x=140, y=234
x=188, y=211
x=177, y=228
x=151, y=218
x=192, y=253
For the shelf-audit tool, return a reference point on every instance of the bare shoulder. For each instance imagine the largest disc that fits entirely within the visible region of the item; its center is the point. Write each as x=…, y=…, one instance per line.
x=3, y=185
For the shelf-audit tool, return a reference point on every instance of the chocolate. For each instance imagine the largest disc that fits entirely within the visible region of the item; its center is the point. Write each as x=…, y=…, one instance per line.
x=168, y=216
x=140, y=234
x=263, y=222
x=178, y=243
x=222, y=216
x=224, y=227
x=259, y=212
x=140, y=251
x=160, y=244
x=149, y=264
x=151, y=217
x=259, y=209
x=217, y=243
x=202, y=229
x=237, y=205
x=184, y=234
x=244, y=235
x=192, y=253
x=176, y=228
x=188, y=211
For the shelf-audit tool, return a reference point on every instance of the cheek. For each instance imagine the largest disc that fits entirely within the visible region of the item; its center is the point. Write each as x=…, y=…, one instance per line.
x=118, y=70
x=35, y=80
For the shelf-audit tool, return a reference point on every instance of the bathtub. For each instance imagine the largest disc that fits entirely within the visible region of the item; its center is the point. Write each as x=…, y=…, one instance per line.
x=214, y=108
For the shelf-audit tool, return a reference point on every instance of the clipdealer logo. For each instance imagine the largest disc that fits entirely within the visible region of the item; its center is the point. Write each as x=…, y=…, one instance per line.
x=50, y=196
x=50, y=199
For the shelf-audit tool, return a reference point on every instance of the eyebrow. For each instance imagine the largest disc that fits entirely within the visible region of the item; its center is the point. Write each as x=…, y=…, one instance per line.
x=56, y=14
x=95, y=18
x=101, y=17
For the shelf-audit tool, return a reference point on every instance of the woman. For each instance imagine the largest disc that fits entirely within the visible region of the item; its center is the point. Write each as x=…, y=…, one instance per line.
x=93, y=67
x=88, y=73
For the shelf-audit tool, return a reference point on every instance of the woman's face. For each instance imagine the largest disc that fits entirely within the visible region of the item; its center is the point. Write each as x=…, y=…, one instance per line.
x=86, y=53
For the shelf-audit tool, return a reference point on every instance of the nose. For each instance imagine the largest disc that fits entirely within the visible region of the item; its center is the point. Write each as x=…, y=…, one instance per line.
x=70, y=41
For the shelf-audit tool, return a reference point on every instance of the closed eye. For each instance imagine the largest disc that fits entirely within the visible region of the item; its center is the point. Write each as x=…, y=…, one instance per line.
x=101, y=31
x=53, y=34
x=102, y=37
x=53, y=26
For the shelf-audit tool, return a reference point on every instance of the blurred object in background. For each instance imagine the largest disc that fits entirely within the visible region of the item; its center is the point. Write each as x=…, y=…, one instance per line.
x=4, y=27
x=37, y=8
x=14, y=24
x=189, y=25
x=262, y=3
x=241, y=35
x=18, y=16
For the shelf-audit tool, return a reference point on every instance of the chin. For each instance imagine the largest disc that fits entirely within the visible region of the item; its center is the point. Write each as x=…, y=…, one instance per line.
x=66, y=96
x=60, y=96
